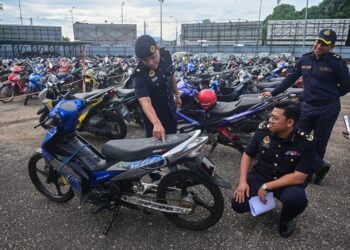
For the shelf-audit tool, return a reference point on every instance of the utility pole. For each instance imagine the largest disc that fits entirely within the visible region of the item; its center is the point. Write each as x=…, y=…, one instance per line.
x=20, y=11
x=31, y=21
x=144, y=27
x=122, y=15
x=257, y=40
x=161, y=22
x=305, y=26
x=71, y=12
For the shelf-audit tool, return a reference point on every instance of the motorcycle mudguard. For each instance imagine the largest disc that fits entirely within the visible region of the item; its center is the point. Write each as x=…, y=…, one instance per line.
x=206, y=171
x=42, y=109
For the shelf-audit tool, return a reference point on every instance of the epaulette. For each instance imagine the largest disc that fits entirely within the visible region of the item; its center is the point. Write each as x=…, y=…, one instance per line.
x=306, y=136
x=334, y=55
x=263, y=125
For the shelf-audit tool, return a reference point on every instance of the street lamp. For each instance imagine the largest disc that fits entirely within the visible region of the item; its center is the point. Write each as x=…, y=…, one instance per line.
x=121, y=6
x=257, y=40
x=20, y=11
x=175, y=29
x=161, y=22
x=71, y=12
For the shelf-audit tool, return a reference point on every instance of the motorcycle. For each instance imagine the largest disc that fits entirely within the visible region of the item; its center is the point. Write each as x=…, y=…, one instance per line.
x=67, y=165
x=35, y=83
x=229, y=123
x=14, y=85
x=99, y=117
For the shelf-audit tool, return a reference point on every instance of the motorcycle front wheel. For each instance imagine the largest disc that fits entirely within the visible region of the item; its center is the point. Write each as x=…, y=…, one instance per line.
x=47, y=181
x=185, y=188
x=7, y=93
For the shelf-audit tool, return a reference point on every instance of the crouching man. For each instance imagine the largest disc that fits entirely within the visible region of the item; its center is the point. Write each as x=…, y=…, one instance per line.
x=285, y=157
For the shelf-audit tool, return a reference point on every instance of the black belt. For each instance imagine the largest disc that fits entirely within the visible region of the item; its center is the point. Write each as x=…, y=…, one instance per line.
x=321, y=102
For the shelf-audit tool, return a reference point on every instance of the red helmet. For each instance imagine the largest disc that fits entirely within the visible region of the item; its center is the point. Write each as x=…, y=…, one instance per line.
x=207, y=98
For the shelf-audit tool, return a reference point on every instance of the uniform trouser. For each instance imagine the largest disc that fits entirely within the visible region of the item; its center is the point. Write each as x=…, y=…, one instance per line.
x=293, y=198
x=321, y=120
x=170, y=127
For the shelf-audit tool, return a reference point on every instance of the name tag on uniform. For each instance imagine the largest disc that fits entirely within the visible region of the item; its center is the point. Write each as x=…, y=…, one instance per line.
x=293, y=153
x=306, y=67
x=326, y=69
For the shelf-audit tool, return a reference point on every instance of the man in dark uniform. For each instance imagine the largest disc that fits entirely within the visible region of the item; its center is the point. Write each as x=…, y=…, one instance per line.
x=326, y=78
x=155, y=87
x=284, y=159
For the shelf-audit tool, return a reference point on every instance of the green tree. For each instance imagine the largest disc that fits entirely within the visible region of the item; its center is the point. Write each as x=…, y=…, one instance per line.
x=65, y=39
x=206, y=21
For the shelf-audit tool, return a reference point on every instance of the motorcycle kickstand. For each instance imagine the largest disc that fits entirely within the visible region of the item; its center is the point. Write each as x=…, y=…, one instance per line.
x=212, y=149
x=109, y=223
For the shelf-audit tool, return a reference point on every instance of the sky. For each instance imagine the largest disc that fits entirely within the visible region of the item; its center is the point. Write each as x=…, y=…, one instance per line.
x=58, y=13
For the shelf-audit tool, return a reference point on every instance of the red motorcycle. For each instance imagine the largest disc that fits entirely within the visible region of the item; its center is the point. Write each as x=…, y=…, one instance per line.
x=13, y=86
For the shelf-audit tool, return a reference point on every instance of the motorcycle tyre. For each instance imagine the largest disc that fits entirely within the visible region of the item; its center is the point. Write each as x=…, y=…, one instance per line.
x=28, y=91
x=10, y=97
x=215, y=191
x=40, y=187
x=111, y=117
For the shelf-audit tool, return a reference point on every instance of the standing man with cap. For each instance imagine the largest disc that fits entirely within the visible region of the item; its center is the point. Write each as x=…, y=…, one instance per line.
x=155, y=87
x=326, y=79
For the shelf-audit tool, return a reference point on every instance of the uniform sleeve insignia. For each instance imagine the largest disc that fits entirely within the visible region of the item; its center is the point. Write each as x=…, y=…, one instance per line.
x=263, y=125
x=327, y=32
x=152, y=48
x=266, y=139
x=151, y=73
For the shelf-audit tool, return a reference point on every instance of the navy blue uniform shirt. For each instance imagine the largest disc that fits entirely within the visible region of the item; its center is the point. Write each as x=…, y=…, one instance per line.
x=277, y=156
x=325, y=79
x=157, y=84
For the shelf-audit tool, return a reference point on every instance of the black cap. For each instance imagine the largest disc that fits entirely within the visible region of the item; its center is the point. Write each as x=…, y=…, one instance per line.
x=145, y=46
x=328, y=36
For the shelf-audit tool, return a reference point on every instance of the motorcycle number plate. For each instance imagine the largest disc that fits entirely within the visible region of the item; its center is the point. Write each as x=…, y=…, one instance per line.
x=208, y=166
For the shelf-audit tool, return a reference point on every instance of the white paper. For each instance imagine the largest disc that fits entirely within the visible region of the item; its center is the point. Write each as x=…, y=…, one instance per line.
x=257, y=207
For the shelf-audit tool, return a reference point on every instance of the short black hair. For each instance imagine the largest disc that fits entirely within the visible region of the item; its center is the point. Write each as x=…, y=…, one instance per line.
x=291, y=109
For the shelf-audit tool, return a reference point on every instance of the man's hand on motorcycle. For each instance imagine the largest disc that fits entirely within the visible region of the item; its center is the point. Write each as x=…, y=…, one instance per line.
x=159, y=131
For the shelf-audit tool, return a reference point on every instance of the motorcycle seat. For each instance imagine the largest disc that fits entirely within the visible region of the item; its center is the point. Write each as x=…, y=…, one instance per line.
x=87, y=94
x=264, y=85
x=222, y=109
x=121, y=92
x=137, y=149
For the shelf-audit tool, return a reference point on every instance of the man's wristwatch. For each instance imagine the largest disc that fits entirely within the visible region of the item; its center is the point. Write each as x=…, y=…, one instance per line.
x=264, y=187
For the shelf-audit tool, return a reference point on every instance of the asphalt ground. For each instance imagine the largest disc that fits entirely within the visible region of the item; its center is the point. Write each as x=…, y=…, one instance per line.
x=30, y=221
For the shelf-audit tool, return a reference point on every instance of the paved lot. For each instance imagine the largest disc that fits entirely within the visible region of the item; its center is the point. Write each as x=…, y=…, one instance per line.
x=28, y=220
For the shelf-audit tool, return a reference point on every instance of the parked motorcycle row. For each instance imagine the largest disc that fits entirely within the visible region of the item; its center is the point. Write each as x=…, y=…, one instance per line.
x=188, y=192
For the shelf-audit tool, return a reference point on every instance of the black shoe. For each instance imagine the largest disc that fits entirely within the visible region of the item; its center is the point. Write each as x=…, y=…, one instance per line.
x=286, y=228
x=321, y=173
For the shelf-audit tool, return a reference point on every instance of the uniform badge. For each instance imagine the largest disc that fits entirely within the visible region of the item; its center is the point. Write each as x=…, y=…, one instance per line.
x=266, y=139
x=327, y=32
x=309, y=137
x=152, y=48
x=151, y=73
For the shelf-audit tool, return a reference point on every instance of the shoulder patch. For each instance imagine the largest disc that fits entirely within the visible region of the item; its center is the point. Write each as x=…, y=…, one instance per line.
x=308, y=137
x=263, y=125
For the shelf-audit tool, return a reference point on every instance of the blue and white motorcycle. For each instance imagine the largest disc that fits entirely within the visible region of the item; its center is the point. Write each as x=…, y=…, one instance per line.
x=35, y=83
x=188, y=192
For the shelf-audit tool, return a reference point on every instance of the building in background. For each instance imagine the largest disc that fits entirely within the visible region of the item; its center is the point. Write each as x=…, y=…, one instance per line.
x=291, y=32
x=105, y=34
x=9, y=32
x=228, y=33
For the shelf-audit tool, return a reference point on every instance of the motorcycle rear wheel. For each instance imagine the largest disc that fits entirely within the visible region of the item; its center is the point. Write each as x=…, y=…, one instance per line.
x=7, y=93
x=47, y=181
x=206, y=198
